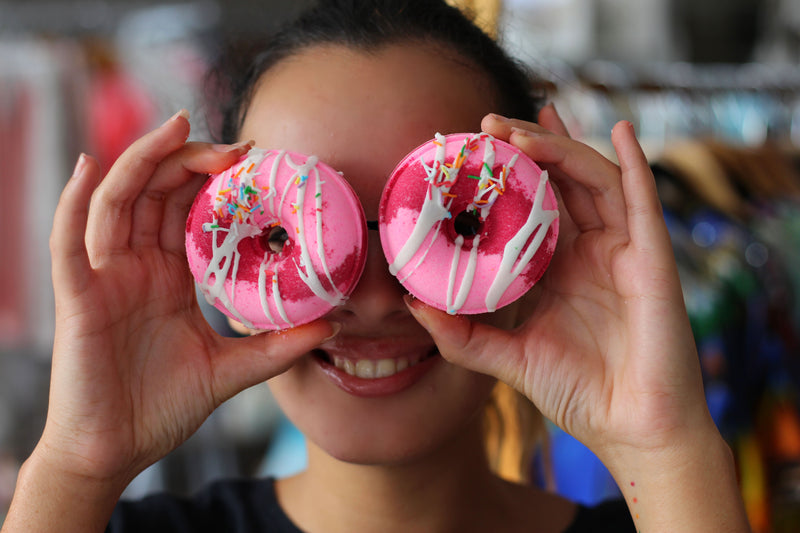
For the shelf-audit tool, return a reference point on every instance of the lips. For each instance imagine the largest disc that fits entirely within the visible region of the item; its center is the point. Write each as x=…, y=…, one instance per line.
x=371, y=368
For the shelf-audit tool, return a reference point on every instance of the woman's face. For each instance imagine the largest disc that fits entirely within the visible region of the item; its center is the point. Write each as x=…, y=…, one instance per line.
x=361, y=113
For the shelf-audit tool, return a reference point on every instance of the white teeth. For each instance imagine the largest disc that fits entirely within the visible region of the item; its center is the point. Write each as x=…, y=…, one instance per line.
x=371, y=369
x=401, y=364
x=365, y=368
x=385, y=368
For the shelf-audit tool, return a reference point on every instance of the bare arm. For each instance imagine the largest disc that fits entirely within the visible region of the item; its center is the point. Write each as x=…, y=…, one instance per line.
x=607, y=352
x=136, y=369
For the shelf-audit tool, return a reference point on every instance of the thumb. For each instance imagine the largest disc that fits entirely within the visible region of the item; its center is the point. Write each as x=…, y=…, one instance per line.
x=241, y=363
x=472, y=345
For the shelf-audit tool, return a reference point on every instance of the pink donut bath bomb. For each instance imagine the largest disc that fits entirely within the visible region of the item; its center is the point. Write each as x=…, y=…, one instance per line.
x=277, y=240
x=468, y=223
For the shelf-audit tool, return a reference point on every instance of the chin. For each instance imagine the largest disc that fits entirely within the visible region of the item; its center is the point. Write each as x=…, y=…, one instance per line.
x=390, y=430
x=378, y=449
x=396, y=446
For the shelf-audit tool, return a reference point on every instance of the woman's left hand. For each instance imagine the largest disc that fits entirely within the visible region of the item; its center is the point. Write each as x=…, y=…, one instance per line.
x=609, y=335
x=607, y=352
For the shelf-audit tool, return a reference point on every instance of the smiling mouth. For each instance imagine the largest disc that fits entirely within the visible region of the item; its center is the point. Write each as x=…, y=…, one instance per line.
x=374, y=368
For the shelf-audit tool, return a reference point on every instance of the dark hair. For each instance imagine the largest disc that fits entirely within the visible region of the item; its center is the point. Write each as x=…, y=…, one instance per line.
x=369, y=25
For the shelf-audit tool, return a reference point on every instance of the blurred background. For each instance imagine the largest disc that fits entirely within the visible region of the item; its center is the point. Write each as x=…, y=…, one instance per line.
x=713, y=88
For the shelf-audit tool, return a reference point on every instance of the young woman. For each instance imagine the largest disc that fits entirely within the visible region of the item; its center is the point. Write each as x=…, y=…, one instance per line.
x=602, y=346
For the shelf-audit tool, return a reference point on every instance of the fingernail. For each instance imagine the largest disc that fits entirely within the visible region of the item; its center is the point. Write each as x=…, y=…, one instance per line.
x=552, y=106
x=79, y=166
x=238, y=147
x=524, y=133
x=183, y=113
x=626, y=124
x=336, y=327
x=499, y=118
x=414, y=306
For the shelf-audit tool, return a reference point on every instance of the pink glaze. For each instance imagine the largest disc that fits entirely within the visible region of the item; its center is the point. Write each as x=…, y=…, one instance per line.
x=509, y=195
x=318, y=266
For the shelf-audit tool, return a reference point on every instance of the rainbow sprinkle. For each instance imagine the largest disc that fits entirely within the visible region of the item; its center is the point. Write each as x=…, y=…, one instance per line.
x=238, y=198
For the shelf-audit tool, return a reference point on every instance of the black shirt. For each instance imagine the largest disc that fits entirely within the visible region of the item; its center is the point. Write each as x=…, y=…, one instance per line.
x=251, y=506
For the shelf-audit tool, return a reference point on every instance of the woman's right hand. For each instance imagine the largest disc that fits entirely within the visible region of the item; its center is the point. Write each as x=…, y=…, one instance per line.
x=136, y=368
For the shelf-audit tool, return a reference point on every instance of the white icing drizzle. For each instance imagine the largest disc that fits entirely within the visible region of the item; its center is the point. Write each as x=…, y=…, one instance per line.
x=276, y=296
x=262, y=287
x=239, y=198
x=309, y=276
x=433, y=209
x=469, y=274
x=441, y=178
x=340, y=297
x=486, y=183
x=234, y=271
x=222, y=263
x=453, y=271
x=224, y=259
x=539, y=221
x=273, y=177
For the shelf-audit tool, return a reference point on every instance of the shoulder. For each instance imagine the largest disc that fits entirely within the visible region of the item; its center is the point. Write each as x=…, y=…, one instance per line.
x=524, y=508
x=553, y=513
x=611, y=516
x=238, y=506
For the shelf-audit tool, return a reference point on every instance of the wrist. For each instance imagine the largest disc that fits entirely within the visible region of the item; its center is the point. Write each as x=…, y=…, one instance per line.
x=689, y=484
x=46, y=493
x=74, y=472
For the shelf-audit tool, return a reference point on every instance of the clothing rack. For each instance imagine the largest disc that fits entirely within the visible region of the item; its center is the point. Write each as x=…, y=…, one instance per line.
x=740, y=104
x=746, y=109
x=724, y=143
x=95, y=17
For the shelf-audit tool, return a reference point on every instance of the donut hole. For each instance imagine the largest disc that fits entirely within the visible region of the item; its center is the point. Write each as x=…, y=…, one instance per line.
x=274, y=239
x=467, y=223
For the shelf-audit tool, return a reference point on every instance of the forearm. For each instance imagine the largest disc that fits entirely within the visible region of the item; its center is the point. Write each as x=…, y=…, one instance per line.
x=688, y=487
x=48, y=500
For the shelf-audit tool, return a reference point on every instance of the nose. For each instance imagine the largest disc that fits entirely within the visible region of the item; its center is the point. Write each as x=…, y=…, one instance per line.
x=377, y=301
